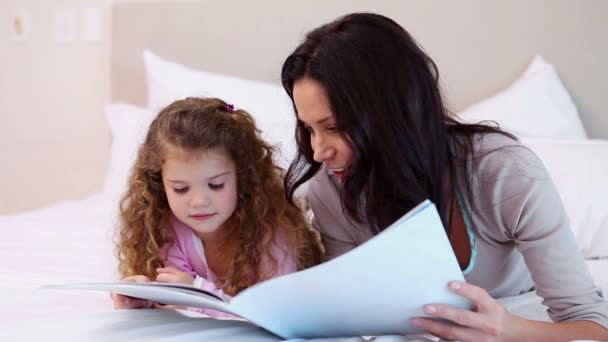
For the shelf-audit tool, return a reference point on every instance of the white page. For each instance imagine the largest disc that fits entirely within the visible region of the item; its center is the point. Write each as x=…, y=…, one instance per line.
x=373, y=289
x=159, y=293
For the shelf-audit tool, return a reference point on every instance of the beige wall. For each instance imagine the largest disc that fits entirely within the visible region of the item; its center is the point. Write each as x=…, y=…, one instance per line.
x=51, y=105
x=52, y=96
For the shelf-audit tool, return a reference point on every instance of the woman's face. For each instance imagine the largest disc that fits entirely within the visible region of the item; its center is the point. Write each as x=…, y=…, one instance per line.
x=314, y=110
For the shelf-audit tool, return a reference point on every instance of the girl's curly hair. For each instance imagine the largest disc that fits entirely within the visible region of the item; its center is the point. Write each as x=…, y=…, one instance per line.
x=262, y=214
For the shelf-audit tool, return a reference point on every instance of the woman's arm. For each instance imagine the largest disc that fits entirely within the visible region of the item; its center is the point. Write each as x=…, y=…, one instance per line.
x=492, y=322
x=338, y=234
x=526, y=211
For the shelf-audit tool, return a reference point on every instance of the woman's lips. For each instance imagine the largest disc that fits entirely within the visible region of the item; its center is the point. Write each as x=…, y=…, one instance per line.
x=340, y=174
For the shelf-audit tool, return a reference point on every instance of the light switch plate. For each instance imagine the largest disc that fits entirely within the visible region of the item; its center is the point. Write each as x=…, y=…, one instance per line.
x=66, y=25
x=91, y=24
x=20, y=24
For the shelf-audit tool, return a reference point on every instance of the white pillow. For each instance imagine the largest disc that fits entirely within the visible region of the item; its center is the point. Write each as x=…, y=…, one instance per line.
x=535, y=105
x=579, y=169
x=128, y=127
x=267, y=103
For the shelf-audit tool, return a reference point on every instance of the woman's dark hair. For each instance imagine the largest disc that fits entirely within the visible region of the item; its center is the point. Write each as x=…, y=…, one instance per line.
x=384, y=93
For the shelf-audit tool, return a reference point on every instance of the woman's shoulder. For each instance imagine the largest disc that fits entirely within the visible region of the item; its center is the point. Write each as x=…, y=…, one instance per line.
x=490, y=142
x=499, y=155
x=506, y=179
x=323, y=195
x=322, y=185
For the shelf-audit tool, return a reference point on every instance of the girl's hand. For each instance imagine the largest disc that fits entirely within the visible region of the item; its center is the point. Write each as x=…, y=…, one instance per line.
x=172, y=275
x=126, y=302
x=489, y=322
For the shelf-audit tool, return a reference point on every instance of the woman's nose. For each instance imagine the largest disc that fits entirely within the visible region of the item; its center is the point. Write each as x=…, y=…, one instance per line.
x=322, y=150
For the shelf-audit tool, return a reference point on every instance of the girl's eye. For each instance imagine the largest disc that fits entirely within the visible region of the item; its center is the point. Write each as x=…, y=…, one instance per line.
x=216, y=186
x=181, y=190
x=331, y=128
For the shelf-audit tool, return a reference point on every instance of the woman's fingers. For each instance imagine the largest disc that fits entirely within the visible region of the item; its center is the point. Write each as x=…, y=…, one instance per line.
x=462, y=317
x=448, y=331
x=480, y=297
x=484, y=322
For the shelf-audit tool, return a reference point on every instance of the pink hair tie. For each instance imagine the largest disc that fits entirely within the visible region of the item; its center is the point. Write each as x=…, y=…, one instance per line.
x=229, y=108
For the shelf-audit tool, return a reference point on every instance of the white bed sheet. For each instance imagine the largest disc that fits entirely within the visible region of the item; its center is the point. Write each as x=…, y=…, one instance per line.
x=72, y=242
x=68, y=242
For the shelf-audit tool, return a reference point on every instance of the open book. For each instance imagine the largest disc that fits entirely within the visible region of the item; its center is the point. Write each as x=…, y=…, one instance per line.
x=373, y=289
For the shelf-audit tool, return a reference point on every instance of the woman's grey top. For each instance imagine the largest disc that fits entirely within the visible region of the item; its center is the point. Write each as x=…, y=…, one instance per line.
x=522, y=236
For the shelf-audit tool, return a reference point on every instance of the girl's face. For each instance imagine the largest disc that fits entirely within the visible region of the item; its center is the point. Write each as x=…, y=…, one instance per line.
x=201, y=188
x=314, y=110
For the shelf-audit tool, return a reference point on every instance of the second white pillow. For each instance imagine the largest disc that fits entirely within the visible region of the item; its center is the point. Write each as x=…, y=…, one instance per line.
x=535, y=105
x=267, y=103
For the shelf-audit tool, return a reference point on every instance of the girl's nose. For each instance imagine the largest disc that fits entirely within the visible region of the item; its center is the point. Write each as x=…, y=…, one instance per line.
x=199, y=199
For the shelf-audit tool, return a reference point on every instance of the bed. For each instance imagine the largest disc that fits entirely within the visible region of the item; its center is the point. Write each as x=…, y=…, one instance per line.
x=192, y=53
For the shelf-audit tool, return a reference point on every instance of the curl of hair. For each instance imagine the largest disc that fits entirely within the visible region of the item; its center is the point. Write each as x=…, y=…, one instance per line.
x=263, y=216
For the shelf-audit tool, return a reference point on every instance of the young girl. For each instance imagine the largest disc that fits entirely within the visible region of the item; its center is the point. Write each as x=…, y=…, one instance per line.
x=375, y=139
x=205, y=206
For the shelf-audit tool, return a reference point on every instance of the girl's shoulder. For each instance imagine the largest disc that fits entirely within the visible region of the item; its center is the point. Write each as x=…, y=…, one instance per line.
x=181, y=230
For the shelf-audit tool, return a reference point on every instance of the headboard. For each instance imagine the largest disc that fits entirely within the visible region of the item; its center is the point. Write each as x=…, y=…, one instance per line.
x=479, y=46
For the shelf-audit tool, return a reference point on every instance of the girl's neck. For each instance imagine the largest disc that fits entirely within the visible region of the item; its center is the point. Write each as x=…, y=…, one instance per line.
x=219, y=251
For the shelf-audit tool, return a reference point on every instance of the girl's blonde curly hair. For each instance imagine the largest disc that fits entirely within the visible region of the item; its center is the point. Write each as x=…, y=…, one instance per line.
x=262, y=212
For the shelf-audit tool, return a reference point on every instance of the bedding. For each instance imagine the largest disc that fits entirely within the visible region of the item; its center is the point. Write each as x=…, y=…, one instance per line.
x=579, y=169
x=535, y=105
x=267, y=103
x=72, y=242
x=68, y=242
x=128, y=127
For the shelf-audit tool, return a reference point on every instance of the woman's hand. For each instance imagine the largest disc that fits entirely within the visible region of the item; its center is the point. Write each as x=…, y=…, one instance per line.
x=126, y=302
x=489, y=321
x=173, y=275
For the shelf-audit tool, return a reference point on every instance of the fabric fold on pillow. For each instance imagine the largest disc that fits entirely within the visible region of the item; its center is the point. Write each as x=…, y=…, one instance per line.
x=128, y=127
x=579, y=169
x=267, y=103
x=535, y=105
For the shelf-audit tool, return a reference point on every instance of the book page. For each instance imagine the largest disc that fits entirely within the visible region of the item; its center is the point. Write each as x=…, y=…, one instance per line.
x=162, y=293
x=374, y=289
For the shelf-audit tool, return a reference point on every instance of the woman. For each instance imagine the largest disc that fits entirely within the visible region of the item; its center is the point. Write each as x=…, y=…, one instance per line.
x=375, y=139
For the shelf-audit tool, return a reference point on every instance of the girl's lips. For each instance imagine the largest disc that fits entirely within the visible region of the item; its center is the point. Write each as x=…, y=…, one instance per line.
x=201, y=217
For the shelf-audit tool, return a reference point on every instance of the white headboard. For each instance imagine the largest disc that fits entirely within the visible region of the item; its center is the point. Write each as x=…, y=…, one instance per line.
x=479, y=46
